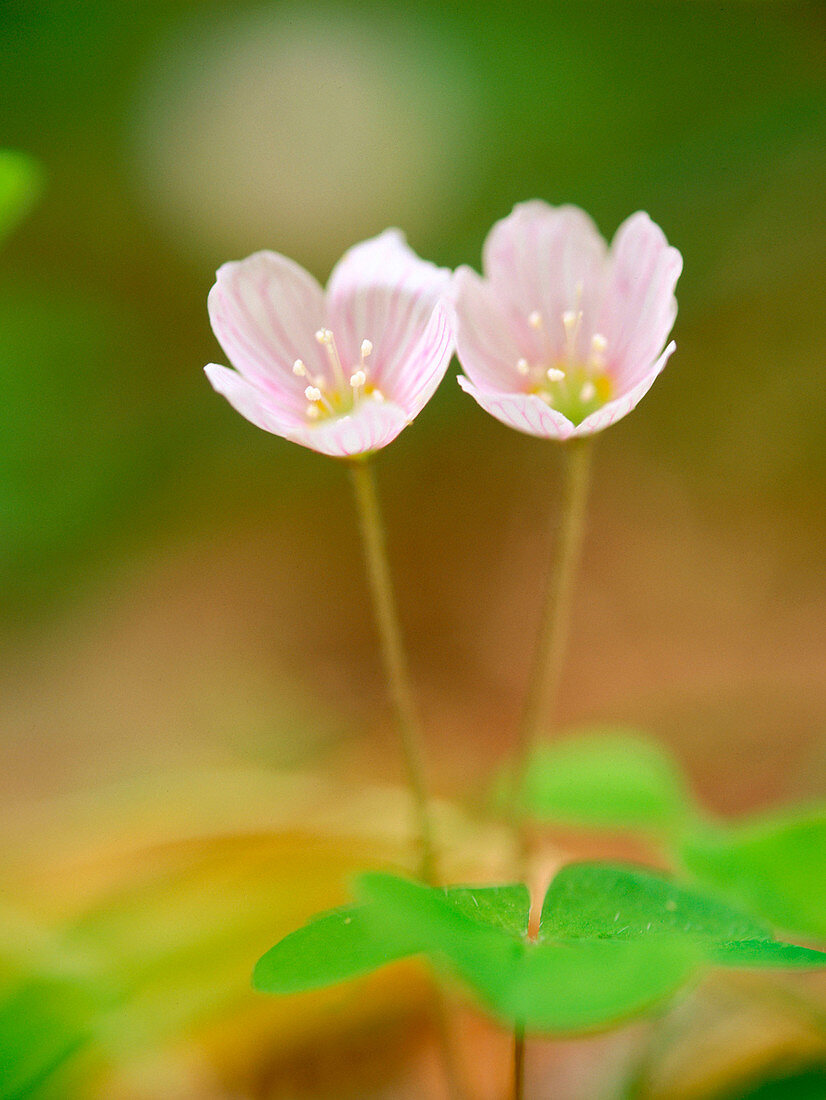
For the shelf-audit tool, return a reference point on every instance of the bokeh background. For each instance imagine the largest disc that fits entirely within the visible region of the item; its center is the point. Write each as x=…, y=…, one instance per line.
x=191, y=705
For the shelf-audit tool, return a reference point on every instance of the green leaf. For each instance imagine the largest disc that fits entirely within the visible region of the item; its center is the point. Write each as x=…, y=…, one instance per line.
x=506, y=907
x=613, y=941
x=622, y=902
x=617, y=902
x=21, y=181
x=475, y=942
x=43, y=1023
x=545, y=986
x=809, y=1084
x=348, y=942
x=591, y=984
x=337, y=945
x=612, y=778
x=776, y=865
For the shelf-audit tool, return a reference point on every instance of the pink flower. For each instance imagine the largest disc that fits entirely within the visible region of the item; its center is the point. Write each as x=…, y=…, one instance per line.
x=563, y=336
x=342, y=372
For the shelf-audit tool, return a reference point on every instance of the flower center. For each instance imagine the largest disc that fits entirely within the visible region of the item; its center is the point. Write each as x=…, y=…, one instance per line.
x=337, y=396
x=569, y=384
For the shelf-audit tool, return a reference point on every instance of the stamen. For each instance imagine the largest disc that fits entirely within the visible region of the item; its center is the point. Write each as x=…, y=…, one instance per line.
x=312, y=412
x=571, y=321
x=377, y=395
x=312, y=393
x=598, y=343
x=554, y=374
x=325, y=337
x=522, y=367
x=588, y=392
x=535, y=320
x=357, y=379
x=366, y=349
x=299, y=368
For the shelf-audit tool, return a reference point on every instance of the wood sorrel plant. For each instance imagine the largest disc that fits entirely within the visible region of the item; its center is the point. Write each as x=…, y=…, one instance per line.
x=560, y=338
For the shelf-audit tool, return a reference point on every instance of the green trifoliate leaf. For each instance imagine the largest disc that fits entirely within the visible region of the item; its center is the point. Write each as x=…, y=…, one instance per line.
x=606, y=779
x=545, y=986
x=613, y=941
x=21, y=181
x=775, y=865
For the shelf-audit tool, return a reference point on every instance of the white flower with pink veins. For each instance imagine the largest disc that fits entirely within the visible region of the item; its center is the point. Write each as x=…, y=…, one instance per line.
x=564, y=336
x=341, y=371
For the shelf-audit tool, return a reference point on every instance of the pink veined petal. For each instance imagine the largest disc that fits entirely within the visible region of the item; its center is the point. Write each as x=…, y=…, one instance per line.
x=523, y=411
x=615, y=410
x=383, y=292
x=549, y=259
x=413, y=381
x=639, y=308
x=249, y=400
x=371, y=426
x=265, y=311
x=485, y=343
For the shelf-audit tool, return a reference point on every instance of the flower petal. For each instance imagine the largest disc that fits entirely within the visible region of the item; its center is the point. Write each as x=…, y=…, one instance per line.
x=486, y=344
x=615, y=410
x=265, y=311
x=383, y=292
x=413, y=382
x=369, y=427
x=249, y=400
x=551, y=260
x=524, y=411
x=639, y=308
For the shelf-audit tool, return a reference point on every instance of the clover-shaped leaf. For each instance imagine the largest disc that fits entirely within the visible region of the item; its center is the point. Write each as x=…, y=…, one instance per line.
x=613, y=778
x=613, y=941
x=775, y=864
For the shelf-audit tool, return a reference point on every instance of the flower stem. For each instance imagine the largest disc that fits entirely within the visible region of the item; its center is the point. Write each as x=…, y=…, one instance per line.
x=393, y=655
x=549, y=658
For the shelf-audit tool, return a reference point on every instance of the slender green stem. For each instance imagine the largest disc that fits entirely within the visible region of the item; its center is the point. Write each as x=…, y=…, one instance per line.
x=401, y=695
x=549, y=658
x=393, y=655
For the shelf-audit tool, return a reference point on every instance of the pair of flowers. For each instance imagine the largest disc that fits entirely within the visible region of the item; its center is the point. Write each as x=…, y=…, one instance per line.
x=561, y=337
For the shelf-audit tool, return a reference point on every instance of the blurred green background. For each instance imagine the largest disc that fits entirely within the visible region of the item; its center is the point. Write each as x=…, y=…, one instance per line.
x=183, y=596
